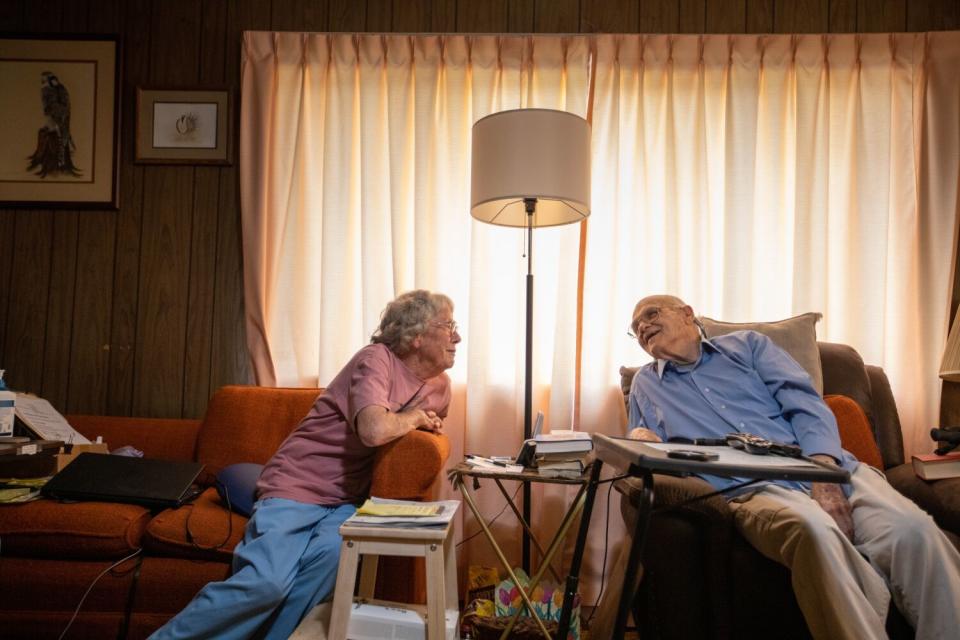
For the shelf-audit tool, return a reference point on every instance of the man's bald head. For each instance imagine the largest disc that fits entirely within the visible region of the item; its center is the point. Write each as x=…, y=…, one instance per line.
x=666, y=328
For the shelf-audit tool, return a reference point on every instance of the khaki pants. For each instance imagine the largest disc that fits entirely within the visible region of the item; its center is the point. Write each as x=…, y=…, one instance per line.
x=844, y=588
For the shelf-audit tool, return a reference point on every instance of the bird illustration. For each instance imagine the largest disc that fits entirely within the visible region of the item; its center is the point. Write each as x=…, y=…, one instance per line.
x=55, y=146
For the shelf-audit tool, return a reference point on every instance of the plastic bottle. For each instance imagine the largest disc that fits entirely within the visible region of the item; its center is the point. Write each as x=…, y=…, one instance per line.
x=7, y=405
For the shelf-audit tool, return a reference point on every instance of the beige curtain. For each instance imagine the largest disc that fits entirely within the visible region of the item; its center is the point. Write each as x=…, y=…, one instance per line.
x=755, y=176
x=759, y=177
x=355, y=187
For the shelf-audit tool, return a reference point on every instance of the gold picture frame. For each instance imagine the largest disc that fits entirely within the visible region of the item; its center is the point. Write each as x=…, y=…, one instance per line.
x=183, y=126
x=59, y=122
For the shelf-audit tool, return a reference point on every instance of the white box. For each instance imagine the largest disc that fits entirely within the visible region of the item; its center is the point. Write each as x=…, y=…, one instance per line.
x=378, y=620
x=7, y=410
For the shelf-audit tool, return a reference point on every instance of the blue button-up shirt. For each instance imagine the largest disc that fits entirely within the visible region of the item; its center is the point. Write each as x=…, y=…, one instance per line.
x=742, y=382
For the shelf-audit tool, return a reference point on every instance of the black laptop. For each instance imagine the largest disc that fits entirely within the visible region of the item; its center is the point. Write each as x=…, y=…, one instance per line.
x=109, y=478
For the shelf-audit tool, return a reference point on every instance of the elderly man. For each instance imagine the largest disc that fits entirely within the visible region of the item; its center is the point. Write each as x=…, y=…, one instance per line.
x=849, y=547
x=287, y=562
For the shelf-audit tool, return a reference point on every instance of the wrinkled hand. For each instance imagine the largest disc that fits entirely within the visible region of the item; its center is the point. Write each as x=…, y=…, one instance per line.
x=643, y=434
x=427, y=421
x=831, y=499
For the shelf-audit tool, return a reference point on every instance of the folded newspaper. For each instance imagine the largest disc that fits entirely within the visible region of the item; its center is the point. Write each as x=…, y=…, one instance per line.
x=445, y=510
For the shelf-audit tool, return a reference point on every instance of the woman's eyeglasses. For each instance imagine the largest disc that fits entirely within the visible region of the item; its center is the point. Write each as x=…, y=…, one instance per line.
x=449, y=325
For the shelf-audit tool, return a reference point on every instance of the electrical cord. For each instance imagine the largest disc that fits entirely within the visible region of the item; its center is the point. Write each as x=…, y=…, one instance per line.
x=131, y=598
x=603, y=567
x=223, y=543
x=90, y=588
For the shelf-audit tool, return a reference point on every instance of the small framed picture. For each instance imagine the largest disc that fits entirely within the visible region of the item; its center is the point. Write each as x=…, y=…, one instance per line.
x=59, y=117
x=180, y=126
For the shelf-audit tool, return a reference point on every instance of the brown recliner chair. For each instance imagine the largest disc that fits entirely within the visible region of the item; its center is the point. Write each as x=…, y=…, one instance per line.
x=701, y=579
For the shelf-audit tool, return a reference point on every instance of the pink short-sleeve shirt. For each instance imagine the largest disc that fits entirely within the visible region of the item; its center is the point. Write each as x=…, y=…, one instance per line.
x=323, y=461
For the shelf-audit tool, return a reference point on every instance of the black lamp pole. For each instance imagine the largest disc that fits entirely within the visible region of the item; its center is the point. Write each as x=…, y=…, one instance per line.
x=530, y=205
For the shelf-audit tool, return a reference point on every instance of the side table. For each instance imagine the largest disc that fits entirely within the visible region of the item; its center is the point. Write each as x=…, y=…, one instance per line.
x=462, y=471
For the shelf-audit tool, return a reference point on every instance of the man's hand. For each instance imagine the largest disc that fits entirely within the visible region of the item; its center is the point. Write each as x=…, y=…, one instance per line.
x=831, y=499
x=643, y=434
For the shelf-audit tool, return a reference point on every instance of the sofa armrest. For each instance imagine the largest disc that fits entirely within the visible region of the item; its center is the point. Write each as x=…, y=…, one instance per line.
x=166, y=439
x=406, y=468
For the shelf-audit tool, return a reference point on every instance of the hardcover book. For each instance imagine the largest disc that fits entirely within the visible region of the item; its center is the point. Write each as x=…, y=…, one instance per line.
x=930, y=466
x=563, y=442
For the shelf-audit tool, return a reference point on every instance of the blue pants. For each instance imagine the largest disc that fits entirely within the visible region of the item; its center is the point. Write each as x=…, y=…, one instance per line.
x=286, y=564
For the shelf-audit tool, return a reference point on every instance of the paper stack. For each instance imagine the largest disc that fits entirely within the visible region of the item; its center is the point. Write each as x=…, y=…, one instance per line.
x=383, y=512
x=492, y=465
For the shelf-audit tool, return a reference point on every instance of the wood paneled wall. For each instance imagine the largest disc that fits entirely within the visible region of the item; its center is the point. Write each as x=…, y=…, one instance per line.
x=140, y=311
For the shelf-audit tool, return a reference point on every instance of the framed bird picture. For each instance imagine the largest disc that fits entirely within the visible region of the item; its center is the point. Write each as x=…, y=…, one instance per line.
x=59, y=122
x=183, y=126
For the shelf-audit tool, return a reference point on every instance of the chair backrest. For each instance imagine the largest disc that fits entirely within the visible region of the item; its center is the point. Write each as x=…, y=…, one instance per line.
x=248, y=424
x=844, y=373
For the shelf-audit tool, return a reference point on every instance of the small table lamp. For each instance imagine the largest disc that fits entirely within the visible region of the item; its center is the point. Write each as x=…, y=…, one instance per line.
x=531, y=168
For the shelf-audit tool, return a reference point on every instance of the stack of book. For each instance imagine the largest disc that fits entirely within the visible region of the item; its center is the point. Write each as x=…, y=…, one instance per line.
x=562, y=454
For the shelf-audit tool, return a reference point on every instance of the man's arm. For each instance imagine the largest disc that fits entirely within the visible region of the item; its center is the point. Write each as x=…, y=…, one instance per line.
x=639, y=430
x=377, y=426
x=813, y=424
x=812, y=421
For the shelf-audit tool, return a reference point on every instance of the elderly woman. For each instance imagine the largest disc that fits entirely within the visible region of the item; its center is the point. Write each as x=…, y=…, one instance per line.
x=287, y=562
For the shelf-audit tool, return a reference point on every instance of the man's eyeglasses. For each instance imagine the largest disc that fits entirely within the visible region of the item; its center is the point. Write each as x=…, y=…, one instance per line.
x=449, y=325
x=648, y=315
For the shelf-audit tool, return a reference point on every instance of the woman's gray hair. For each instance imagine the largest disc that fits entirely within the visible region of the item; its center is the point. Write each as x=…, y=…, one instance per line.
x=406, y=317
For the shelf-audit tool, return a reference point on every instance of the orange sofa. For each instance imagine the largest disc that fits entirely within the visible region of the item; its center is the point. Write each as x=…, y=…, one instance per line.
x=50, y=552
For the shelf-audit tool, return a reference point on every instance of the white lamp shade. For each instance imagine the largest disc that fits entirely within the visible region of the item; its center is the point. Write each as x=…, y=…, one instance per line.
x=530, y=153
x=950, y=365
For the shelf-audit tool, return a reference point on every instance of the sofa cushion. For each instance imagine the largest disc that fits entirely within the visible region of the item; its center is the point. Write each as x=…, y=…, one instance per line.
x=79, y=530
x=203, y=530
x=797, y=336
x=855, y=433
x=237, y=486
x=247, y=424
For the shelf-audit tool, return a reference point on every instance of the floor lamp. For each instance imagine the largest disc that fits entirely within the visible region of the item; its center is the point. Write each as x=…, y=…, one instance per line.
x=530, y=168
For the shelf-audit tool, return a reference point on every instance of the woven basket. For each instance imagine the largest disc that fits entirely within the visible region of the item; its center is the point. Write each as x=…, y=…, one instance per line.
x=525, y=629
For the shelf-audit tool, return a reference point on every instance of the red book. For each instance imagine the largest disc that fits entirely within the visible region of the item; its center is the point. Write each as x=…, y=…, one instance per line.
x=930, y=466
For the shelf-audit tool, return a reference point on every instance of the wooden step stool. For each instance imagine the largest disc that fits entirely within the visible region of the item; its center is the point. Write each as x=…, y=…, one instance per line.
x=434, y=544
